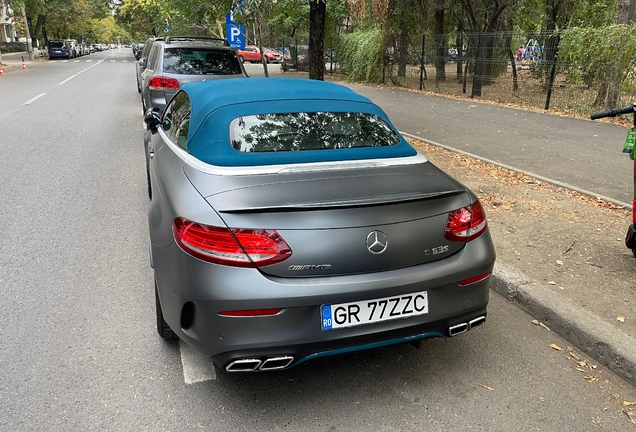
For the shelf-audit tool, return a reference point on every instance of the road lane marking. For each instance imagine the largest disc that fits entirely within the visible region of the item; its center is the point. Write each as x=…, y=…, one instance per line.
x=67, y=79
x=83, y=70
x=30, y=101
x=196, y=367
x=76, y=61
x=124, y=61
x=88, y=61
x=113, y=61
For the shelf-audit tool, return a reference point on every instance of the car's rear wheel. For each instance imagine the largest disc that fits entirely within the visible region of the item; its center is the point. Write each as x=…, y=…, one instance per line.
x=634, y=252
x=163, y=328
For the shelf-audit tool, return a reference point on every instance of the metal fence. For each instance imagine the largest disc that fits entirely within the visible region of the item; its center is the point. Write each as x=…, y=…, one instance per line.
x=511, y=68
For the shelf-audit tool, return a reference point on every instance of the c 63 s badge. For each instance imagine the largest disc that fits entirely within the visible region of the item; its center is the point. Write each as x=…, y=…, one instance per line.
x=436, y=250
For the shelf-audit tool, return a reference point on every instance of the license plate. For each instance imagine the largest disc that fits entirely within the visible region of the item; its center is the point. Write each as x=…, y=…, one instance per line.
x=373, y=311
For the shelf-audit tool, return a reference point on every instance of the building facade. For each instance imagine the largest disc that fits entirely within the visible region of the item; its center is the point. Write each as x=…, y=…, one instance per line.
x=7, y=27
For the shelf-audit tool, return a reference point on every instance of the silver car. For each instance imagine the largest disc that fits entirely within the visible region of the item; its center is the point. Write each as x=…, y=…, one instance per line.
x=178, y=60
x=289, y=220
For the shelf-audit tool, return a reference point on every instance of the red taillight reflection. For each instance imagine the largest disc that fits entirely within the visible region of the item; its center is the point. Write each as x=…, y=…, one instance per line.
x=466, y=223
x=159, y=82
x=233, y=247
x=251, y=312
x=474, y=279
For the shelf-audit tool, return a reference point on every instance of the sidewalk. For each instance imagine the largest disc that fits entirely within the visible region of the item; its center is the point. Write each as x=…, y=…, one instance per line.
x=13, y=61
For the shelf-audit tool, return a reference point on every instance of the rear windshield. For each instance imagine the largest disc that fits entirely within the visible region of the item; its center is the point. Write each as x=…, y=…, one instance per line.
x=200, y=61
x=310, y=131
x=56, y=44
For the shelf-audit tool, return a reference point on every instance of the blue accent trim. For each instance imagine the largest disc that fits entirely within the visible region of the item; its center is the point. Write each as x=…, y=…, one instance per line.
x=368, y=346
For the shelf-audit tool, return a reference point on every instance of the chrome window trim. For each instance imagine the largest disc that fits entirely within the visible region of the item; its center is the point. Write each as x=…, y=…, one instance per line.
x=195, y=163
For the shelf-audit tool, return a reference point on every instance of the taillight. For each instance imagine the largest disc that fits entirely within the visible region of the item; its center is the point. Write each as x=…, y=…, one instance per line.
x=159, y=82
x=466, y=223
x=233, y=247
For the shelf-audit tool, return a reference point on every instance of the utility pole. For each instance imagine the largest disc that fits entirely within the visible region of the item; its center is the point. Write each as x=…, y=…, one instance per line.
x=28, y=34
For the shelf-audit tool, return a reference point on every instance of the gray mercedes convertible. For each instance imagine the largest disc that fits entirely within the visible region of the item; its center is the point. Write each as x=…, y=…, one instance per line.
x=290, y=220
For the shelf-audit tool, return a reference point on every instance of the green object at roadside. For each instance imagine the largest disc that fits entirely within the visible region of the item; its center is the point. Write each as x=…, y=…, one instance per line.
x=629, y=143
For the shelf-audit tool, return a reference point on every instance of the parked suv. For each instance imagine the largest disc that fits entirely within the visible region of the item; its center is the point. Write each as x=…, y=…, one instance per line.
x=143, y=59
x=59, y=49
x=181, y=59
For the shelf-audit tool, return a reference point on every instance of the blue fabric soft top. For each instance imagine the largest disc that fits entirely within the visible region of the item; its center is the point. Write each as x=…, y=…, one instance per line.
x=216, y=103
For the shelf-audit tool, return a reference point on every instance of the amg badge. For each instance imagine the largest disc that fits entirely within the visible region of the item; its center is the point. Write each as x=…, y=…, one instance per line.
x=309, y=267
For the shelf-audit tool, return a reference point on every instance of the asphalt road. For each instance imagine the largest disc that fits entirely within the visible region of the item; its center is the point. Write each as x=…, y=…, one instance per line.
x=78, y=345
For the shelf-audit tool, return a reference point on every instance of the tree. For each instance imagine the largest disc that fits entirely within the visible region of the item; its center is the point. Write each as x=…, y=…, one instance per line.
x=317, y=18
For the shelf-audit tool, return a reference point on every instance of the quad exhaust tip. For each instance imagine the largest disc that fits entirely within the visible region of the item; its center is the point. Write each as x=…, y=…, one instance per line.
x=249, y=365
x=464, y=327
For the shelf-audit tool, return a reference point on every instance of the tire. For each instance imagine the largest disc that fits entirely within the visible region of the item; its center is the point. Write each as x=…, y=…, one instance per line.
x=163, y=328
x=634, y=252
x=138, y=86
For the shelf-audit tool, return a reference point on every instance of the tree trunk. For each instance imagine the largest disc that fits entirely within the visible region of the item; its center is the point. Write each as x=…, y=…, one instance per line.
x=317, y=18
x=440, y=51
x=402, y=52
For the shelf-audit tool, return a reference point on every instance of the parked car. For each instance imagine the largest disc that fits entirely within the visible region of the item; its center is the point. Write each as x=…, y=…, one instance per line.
x=74, y=47
x=182, y=59
x=143, y=58
x=59, y=48
x=263, y=260
x=251, y=54
x=272, y=56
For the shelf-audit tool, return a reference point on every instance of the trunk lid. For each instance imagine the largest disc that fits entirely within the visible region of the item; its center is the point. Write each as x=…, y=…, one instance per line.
x=346, y=222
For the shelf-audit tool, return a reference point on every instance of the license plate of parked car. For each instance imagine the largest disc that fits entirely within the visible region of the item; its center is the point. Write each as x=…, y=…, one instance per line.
x=373, y=311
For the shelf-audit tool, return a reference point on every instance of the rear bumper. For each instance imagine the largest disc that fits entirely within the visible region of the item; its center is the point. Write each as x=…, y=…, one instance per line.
x=192, y=293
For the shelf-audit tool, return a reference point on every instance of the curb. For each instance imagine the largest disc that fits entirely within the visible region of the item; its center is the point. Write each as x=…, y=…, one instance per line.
x=608, y=346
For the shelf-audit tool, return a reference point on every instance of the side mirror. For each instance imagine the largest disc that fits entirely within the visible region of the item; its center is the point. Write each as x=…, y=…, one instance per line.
x=152, y=118
x=142, y=63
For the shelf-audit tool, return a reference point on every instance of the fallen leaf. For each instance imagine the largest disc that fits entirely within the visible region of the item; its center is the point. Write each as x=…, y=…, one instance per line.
x=552, y=283
x=627, y=403
x=556, y=347
x=620, y=318
x=542, y=399
x=535, y=322
x=516, y=253
x=590, y=378
x=485, y=386
x=544, y=326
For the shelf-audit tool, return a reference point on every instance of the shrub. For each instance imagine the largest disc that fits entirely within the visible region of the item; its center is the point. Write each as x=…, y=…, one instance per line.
x=360, y=55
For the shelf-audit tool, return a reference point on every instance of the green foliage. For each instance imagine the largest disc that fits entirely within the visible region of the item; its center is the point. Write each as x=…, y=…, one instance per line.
x=592, y=54
x=12, y=48
x=360, y=55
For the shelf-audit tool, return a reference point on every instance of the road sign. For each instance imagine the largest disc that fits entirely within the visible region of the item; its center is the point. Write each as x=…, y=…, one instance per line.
x=235, y=33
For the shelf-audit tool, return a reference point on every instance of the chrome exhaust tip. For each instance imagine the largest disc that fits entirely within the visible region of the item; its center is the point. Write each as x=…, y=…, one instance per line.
x=275, y=363
x=477, y=321
x=458, y=329
x=243, y=365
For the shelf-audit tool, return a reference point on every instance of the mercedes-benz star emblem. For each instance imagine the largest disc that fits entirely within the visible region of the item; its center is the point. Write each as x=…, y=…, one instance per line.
x=377, y=242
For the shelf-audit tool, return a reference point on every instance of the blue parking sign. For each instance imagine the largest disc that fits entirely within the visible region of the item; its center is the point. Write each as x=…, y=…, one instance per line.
x=235, y=35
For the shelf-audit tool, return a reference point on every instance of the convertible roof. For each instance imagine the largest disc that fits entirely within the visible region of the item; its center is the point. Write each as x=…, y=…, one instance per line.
x=207, y=96
x=216, y=103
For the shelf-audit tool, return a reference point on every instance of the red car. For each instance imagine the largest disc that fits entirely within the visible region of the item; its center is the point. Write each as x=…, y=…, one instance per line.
x=252, y=54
